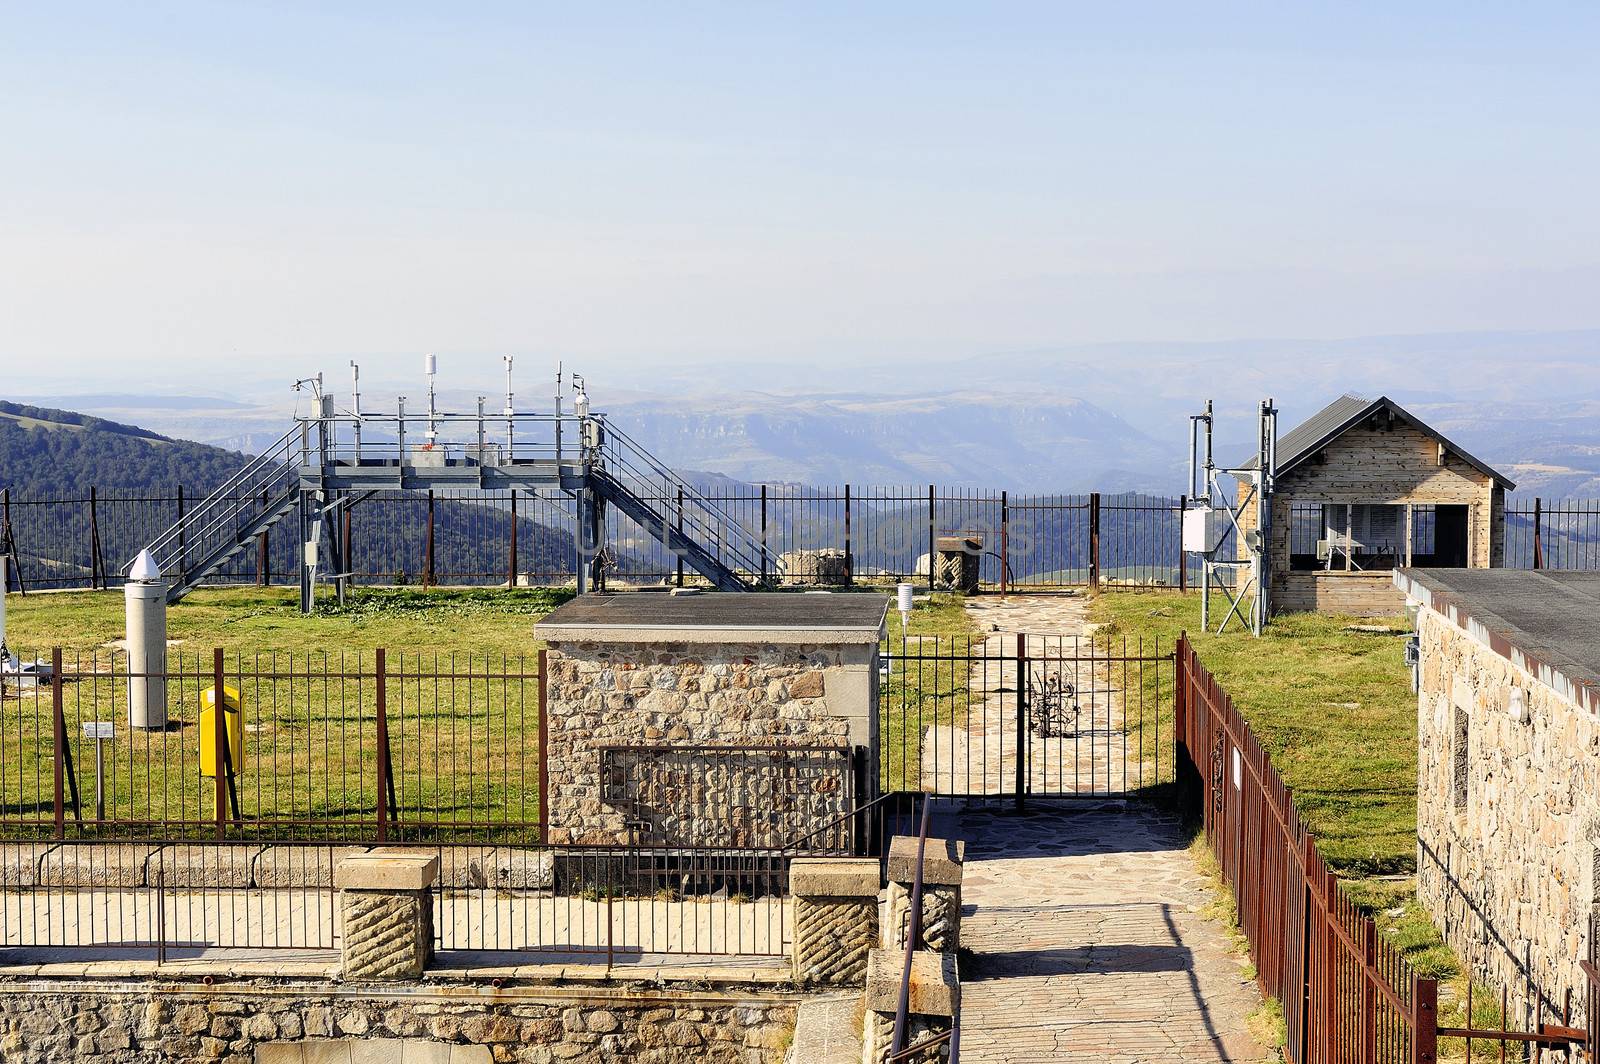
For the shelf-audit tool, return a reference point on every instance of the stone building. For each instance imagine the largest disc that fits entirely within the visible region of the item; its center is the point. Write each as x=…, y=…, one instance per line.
x=1363, y=487
x=709, y=719
x=1508, y=782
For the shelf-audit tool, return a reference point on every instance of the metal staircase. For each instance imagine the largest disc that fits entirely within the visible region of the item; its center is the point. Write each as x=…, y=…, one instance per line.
x=205, y=538
x=672, y=511
x=311, y=469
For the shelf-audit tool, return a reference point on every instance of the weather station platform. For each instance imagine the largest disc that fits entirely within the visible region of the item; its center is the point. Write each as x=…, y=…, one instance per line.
x=335, y=457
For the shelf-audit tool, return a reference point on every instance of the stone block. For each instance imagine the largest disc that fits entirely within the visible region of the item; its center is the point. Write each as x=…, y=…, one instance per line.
x=941, y=918
x=825, y=566
x=941, y=863
x=935, y=988
x=495, y=868
x=200, y=866
x=300, y=866
x=280, y=1053
x=833, y=877
x=832, y=938
x=93, y=865
x=387, y=936
x=387, y=870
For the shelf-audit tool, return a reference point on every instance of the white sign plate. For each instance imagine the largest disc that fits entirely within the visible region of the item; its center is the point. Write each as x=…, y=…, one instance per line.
x=99, y=729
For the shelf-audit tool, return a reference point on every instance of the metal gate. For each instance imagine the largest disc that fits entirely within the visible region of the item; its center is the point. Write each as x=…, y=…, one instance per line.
x=1026, y=714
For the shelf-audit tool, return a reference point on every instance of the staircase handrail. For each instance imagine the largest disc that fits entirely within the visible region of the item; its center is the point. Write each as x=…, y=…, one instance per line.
x=747, y=549
x=276, y=455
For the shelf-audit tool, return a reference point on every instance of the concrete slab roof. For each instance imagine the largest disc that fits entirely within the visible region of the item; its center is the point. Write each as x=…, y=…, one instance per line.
x=706, y=615
x=1546, y=622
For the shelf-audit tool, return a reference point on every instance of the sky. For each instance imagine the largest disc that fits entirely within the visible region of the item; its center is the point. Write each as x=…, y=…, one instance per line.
x=193, y=192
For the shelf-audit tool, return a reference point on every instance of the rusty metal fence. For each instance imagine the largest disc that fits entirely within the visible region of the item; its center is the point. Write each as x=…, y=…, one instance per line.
x=121, y=838
x=1348, y=995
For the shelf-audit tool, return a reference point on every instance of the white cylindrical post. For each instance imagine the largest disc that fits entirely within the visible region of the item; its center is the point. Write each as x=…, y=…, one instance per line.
x=904, y=605
x=146, y=602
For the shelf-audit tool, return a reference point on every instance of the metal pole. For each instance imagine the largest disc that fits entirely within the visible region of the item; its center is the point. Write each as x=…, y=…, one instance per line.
x=183, y=552
x=1022, y=720
x=678, y=520
x=1005, y=543
x=58, y=711
x=381, y=679
x=849, y=566
x=1538, y=532
x=219, y=734
x=902, y=1012
x=427, y=562
x=932, y=566
x=1094, y=542
x=97, y=567
x=764, y=560
x=1183, y=558
x=511, y=567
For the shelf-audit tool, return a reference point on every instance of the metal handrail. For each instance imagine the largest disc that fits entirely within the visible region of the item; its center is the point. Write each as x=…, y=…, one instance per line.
x=902, y=1010
x=274, y=459
x=632, y=459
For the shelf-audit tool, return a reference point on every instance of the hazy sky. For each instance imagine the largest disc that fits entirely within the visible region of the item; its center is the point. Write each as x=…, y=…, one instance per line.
x=272, y=188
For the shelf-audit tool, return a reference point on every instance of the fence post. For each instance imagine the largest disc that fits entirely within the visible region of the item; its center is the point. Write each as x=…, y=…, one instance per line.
x=544, y=747
x=1369, y=996
x=1180, y=708
x=849, y=556
x=97, y=565
x=1022, y=719
x=263, y=553
x=60, y=759
x=1538, y=532
x=8, y=540
x=764, y=559
x=932, y=518
x=347, y=525
x=183, y=539
x=1005, y=542
x=427, y=561
x=678, y=517
x=1183, y=559
x=381, y=678
x=219, y=734
x=1094, y=541
x=511, y=564
x=1425, y=1021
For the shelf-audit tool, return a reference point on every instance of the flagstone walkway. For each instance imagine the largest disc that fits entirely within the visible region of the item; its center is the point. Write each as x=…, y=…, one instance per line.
x=1090, y=945
x=1086, y=922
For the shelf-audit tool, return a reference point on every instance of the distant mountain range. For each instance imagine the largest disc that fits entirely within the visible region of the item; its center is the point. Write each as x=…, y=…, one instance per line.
x=1112, y=417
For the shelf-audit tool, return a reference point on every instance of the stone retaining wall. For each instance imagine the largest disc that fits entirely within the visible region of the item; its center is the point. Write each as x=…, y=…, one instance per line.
x=1508, y=825
x=271, y=1022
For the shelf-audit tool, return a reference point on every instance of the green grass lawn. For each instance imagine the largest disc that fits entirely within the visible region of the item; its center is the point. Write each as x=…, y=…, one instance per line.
x=923, y=693
x=461, y=706
x=462, y=709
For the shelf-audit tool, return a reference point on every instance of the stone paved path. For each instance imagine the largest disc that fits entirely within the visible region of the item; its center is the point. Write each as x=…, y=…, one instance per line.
x=1089, y=945
x=1085, y=921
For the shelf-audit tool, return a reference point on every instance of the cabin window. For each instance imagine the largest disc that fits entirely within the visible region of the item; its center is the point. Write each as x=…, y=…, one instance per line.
x=1369, y=537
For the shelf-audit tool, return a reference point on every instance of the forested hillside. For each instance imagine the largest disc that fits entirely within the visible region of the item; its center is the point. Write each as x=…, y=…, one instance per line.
x=57, y=453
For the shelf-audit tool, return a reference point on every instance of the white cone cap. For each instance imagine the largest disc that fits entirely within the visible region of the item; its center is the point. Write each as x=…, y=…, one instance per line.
x=145, y=570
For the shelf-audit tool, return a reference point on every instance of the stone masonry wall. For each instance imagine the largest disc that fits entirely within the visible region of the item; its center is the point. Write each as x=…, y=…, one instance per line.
x=721, y=694
x=1509, y=875
x=117, y=1022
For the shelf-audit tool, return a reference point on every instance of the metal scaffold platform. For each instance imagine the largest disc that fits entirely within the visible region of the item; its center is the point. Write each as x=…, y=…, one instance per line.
x=332, y=459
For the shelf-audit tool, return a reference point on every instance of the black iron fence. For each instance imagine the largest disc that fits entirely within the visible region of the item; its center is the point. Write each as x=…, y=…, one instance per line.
x=883, y=534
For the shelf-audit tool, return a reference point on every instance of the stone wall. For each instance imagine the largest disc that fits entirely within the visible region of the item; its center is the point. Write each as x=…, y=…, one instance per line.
x=236, y=1022
x=1508, y=828
x=698, y=694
